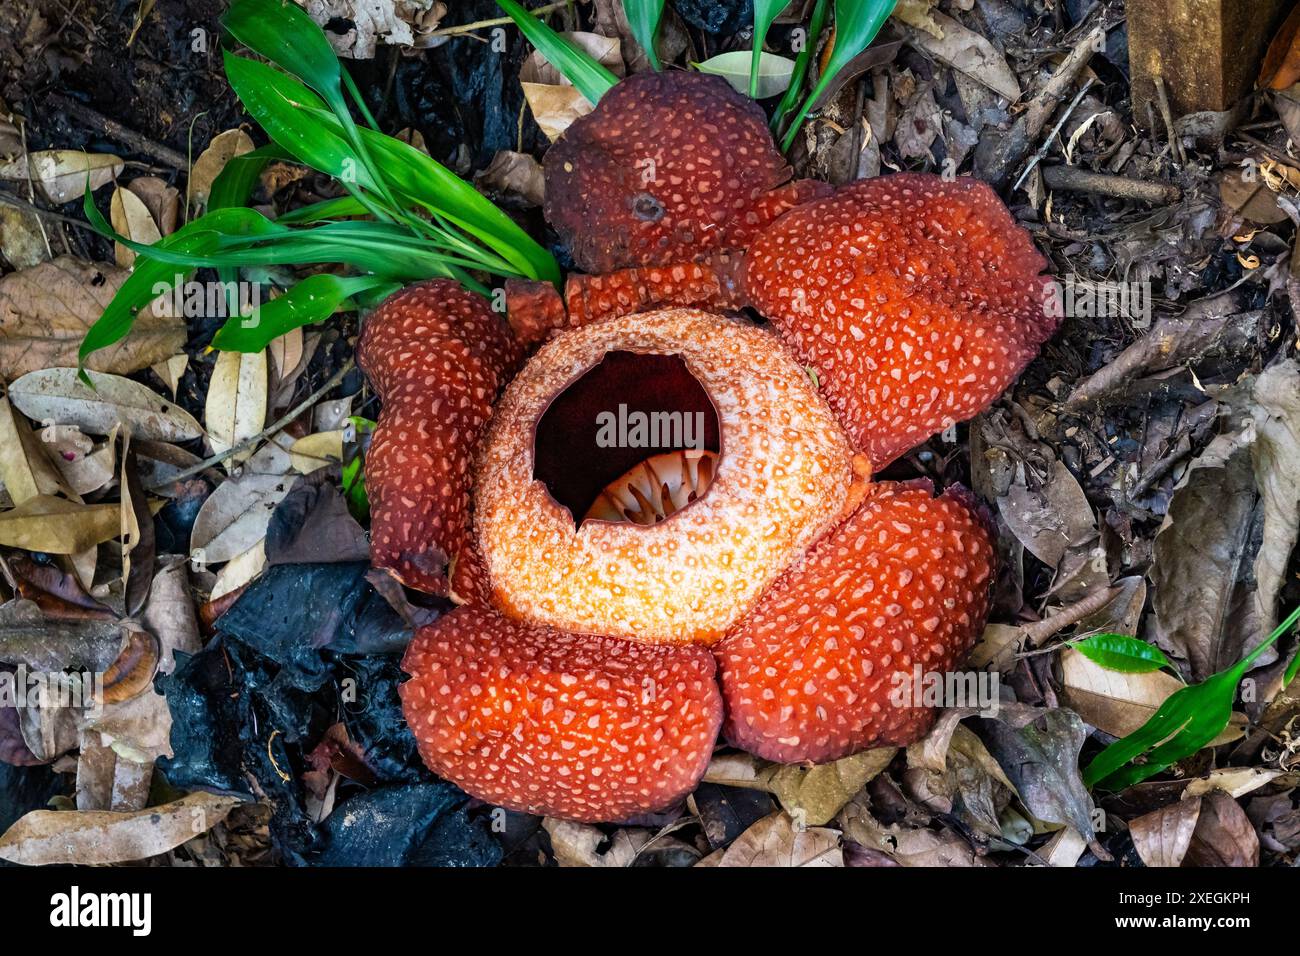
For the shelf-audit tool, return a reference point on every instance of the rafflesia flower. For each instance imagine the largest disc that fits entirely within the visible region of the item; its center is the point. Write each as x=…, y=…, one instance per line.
x=661, y=527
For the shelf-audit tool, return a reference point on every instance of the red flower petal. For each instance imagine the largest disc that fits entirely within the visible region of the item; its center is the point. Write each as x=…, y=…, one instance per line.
x=543, y=721
x=657, y=172
x=917, y=301
x=437, y=355
x=710, y=284
x=808, y=675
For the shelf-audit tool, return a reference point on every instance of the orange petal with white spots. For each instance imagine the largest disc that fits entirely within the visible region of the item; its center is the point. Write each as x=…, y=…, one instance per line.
x=813, y=672
x=543, y=721
x=916, y=300
x=437, y=355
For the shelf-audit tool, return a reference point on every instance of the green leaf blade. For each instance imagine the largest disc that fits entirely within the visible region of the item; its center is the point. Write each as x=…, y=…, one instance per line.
x=283, y=33
x=643, y=17
x=856, y=24
x=765, y=14
x=1119, y=652
x=588, y=75
x=312, y=300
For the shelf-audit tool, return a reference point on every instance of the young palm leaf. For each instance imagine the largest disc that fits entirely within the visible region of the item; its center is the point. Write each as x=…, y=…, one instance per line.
x=424, y=220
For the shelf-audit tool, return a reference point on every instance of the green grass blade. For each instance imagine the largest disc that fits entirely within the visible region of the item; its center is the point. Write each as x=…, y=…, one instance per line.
x=1119, y=652
x=643, y=17
x=765, y=12
x=283, y=33
x=856, y=24
x=344, y=207
x=580, y=68
x=1187, y=720
x=314, y=299
x=1209, y=706
x=149, y=278
x=234, y=184
x=816, y=23
x=277, y=102
x=422, y=180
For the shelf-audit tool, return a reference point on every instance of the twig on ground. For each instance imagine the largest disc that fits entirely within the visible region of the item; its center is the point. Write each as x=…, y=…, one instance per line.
x=1002, y=155
x=494, y=22
x=250, y=443
x=116, y=131
x=1162, y=100
x=1040, y=631
x=1051, y=137
x=1074, y=179
x=9, y=199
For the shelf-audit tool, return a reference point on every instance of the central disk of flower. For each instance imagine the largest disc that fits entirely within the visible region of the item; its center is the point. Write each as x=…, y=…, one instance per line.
x=647, y=477
x=636, y=438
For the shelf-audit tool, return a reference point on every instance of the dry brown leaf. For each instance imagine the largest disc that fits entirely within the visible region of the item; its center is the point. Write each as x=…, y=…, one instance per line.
x=25, y=469
x=58, y=526
x=1250, y=197
x=46, y=310
x=239, y=570
x=776, y=841
x=1162, y=837
x=236, y=405
x=223, y=148
x=162, y=201
x=58, y=396
x=1050, y=518
x=1234, y=781
x=286, y=353
x=518, y=173
x=917, y=13
x=554, y=102
x=313, y=452
x=554, y=108
x=578, y=844
x=997, y=647
x=1224, y=835
x=171, y=371
x=235, y=516
x=130, y=217
x=909, y=846
x=61, y=174
x=813, y=795
x=1281, y=67
x=85, y=468
x=355, y=27
x=967, y=51
x=1064, y=848
x=88, y=838
x=22, y=242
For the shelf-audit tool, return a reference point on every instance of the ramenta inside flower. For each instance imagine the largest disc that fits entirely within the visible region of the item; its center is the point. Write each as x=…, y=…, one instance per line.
x=620, y=441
